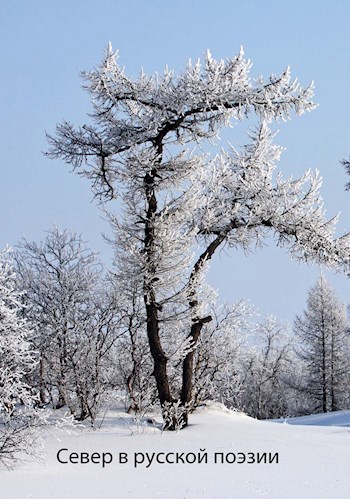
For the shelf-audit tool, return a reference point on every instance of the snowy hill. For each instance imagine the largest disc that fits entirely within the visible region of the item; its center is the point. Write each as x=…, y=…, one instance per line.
x=313, y=461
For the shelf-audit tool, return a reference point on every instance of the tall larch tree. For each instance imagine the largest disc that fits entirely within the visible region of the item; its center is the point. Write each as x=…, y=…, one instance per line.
x=323, y=331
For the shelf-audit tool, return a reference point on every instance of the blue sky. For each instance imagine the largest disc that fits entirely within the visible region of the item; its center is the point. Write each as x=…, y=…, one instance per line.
x=44, y=45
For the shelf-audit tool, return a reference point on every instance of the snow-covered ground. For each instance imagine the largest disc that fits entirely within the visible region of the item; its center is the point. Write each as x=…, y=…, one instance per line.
x=313, y=461
x=338, y=418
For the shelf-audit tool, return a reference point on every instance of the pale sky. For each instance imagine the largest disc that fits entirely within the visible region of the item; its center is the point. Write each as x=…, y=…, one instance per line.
x=44, y=45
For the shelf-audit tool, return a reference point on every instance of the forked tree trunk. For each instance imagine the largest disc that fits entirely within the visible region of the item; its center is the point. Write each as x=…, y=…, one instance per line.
x=175, y=413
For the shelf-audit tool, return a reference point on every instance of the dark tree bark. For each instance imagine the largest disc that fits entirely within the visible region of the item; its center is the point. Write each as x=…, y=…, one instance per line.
x=152, y=307
x=198, y=323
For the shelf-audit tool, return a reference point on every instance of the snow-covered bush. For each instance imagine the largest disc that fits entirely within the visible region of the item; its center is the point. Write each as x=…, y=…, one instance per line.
x=73, y=313
x=20, y=421
x=265, y=371
x=218, y=356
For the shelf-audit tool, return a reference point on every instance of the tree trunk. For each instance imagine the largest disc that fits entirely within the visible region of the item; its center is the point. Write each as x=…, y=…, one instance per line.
x=324, y=375
x=42, y=388
x=152, y=307
x=332, y=375
x=197, y=325
x=188, y=369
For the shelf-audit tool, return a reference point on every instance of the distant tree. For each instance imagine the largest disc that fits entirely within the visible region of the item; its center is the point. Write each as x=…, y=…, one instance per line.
x=20, y=421
x=133, y=362
x=218, y=355
x=265, y=371
x=323, y=332
x=346, y=164
x=176, y=200
x=75, y=324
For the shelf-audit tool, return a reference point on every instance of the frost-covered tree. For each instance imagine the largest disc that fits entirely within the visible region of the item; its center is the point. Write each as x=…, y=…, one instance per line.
x=218, y=355
x=75, y=325
x=265, y=371
x=20, y=422
x=133, y=362
x=323, y=331
x=180, y=205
